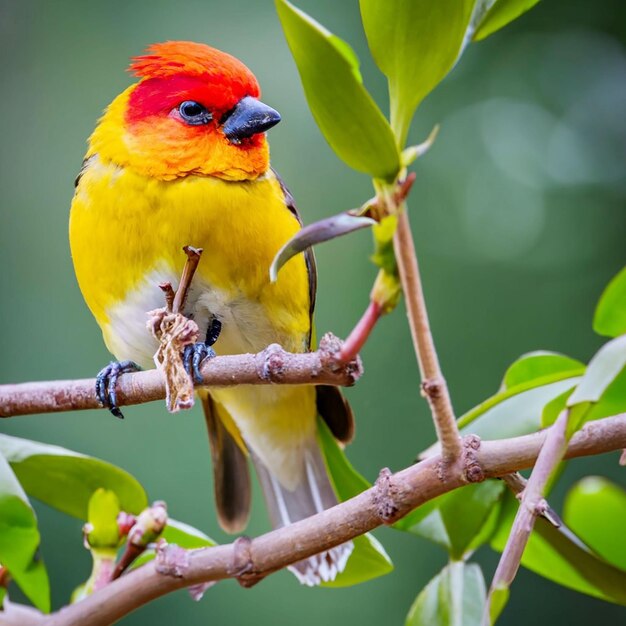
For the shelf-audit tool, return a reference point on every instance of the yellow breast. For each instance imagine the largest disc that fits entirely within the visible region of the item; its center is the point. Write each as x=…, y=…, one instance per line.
x=127, y=232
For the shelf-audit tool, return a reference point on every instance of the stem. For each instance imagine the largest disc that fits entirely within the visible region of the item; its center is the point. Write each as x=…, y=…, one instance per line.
x=531, y=506
x=360, y=333
x=434, y=386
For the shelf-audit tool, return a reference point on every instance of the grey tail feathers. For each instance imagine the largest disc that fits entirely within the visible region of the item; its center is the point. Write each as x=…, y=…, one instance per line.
x=313, y=495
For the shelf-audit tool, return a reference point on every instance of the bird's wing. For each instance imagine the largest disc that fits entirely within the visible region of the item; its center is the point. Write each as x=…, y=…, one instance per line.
x=309, y=257
x=331, y=404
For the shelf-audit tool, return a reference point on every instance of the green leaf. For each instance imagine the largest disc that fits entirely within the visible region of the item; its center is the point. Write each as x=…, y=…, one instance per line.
x=427, y=524
x=415, y=43
x=610, y=315
x=318, y=232
x=455, y=597
x=182, y=535
x=488, y=529
x=515, y=411
x=602, y=370
x=553, y=408
x=347, y=115
x=186, y=536
x=346, y=480
x=537, y=364
x=499, y=15
x=613, y=400
x=595, y=509
x=66, y=480
x=556, y=554
x=368, y=560
x=19, y=540
x=454, y=520
x=465, y=511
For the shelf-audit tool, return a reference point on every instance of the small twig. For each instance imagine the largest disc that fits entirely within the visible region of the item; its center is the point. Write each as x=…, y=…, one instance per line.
x=5, y=577
x=393, y=496
x=517, y=484
x=272, y=365
x=360, y=333
x=434, y=386
x=193, y=258
x=170, y=294
x=532, y=505
x=404, y=188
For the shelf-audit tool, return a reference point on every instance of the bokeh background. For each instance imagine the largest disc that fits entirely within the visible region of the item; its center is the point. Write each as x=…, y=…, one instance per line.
x=518, y=214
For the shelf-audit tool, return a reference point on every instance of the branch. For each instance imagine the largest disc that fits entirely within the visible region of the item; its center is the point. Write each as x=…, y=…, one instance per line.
x=434, y=386
x=392, y=497
x=531, y=506
x=272, y=365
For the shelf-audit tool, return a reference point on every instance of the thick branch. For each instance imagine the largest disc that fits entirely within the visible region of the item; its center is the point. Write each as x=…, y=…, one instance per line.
x=272, y=365
x=392, y=497
x=434, y=386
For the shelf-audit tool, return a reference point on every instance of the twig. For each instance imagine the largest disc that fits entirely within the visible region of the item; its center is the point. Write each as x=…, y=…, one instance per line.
x=170, y=294
x=517, y=484
x=532, y=505
x=393, y=496
x=360, y=333
x=193, y=258
x=272, y=365
x=434, y=386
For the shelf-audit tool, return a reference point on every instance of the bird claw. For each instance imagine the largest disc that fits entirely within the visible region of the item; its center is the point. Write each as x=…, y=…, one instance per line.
x=193, y=357
x=106, y=382
x=195, y=354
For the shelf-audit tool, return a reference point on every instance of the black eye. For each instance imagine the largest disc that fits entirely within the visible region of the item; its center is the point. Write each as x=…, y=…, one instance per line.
x=193, y=113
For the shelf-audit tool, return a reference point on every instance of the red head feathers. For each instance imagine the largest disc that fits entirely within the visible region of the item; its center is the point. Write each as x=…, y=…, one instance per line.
x=193, y=71
x=172, y=123
x=193, y=59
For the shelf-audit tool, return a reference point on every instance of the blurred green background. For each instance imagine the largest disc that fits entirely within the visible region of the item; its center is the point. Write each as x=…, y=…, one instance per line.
x=518, y=214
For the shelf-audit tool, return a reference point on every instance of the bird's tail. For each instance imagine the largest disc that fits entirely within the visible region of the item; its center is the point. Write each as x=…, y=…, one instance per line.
x=313, y=495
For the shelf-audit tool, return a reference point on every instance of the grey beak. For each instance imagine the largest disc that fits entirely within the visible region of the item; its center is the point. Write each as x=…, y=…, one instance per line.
x=250, y=117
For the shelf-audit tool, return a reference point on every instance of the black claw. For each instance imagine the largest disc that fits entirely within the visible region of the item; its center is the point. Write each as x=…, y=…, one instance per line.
x=193, y=357
x=106, y=384
x=213, y=331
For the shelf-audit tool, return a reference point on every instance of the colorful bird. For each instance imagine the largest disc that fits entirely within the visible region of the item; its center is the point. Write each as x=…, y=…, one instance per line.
x=181, y=158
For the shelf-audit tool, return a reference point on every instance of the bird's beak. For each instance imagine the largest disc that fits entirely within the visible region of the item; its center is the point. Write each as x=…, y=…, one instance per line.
x=249, y=118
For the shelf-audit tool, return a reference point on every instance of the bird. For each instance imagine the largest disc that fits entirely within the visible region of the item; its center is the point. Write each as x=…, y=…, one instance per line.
x=181, y=158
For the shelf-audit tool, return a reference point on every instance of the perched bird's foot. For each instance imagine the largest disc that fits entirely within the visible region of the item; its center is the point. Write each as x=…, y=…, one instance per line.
x=193, y=357
x=106, y=382
x=195, y=354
